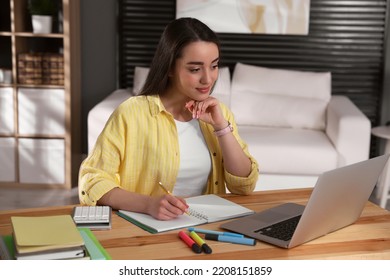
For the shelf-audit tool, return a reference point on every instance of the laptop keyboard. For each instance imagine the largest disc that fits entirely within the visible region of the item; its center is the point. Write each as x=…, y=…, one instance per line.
x=283, y=230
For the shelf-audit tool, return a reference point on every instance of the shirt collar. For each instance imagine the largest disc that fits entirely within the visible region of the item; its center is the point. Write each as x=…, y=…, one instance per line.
x=155, y=104
x=156, y=107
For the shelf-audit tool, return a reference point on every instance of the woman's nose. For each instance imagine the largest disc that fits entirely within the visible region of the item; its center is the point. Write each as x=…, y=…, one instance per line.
x=206, y=77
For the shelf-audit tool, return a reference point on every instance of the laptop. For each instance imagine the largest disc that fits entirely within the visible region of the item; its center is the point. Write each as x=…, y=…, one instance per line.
x=337, y=201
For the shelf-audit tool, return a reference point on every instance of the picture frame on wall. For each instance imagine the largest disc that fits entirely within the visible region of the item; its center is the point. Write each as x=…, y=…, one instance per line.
x=289, y=17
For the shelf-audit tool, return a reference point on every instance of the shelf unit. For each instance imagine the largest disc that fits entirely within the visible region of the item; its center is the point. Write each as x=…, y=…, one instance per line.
x=40, y=131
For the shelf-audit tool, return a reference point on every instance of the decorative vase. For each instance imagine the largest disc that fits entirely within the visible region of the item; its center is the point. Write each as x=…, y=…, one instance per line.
x=42, y=24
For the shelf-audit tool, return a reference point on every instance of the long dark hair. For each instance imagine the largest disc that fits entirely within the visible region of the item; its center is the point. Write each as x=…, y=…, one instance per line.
x=177, y=35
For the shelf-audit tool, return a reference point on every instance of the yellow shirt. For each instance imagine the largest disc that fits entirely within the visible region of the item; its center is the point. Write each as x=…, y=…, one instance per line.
x=139, y=146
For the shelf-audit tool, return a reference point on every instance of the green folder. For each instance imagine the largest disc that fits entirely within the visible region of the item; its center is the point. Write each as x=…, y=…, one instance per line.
x=7, y=248
x=94, y=248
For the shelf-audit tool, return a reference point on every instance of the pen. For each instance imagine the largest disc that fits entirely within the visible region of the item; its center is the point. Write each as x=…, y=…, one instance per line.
x=168, y=192
x=231, y=239
x=164, y=188
x=190, y=243
x=200, y=230
x=200, y=242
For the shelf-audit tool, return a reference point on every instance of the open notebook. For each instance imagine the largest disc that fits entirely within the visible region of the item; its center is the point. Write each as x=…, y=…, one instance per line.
x=203, y=209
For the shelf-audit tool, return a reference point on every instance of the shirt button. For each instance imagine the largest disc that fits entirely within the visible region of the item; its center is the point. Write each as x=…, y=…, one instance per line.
x=215, y=154
x=216, y=182
x=83, y=192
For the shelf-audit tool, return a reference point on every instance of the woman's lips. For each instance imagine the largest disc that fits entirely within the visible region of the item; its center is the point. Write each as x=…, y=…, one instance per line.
x=203, y=90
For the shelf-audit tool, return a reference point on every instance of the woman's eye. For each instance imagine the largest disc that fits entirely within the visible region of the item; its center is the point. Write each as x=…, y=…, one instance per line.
x=215, y=66
x=194, y=70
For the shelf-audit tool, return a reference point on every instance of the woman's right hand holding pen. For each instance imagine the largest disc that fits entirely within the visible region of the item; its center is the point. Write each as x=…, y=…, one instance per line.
x=166, y=207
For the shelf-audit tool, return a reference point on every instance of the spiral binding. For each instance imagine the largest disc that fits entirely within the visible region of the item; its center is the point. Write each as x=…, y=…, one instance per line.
x=197, y=214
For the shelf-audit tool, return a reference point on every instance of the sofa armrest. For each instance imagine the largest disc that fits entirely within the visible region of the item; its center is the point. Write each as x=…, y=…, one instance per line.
x=99, y=114
x=348, y=129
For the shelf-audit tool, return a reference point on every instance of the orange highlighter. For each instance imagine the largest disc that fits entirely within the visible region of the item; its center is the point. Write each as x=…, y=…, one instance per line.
x=190, y=243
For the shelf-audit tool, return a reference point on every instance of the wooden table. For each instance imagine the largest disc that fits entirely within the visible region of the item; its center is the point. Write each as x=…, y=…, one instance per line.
x=368, y=238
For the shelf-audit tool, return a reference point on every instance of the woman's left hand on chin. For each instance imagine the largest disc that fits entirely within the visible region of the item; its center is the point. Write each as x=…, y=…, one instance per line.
x=207, y=110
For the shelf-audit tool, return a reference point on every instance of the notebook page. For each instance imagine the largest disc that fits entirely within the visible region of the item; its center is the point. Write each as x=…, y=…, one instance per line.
x=215, y=208
x=153, y=225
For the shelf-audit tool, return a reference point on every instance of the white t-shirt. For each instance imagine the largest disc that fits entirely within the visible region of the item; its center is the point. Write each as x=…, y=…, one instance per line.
x=195, y=161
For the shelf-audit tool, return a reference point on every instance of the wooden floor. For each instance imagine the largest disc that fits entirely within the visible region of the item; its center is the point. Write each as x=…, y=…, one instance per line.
x=15, y=199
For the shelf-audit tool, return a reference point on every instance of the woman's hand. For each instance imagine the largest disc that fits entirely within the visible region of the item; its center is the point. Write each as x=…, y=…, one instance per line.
x=166, y=207
x=208, y=111
x=235, y=160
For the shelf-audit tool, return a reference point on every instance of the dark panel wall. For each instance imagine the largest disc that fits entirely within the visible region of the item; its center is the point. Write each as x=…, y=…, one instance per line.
x=98, y=56
x=345, y=37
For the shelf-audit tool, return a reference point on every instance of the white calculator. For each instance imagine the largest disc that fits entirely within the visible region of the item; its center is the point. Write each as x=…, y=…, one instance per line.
x=93, y=217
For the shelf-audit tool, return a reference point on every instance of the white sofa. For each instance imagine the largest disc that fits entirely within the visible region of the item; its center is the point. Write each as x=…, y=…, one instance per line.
x=293, y=126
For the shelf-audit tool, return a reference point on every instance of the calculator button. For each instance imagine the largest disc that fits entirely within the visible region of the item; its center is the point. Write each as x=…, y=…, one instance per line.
x=77, y=213
x=106, y=212
x=98, y=213
x=84, y=213
x=91, y=213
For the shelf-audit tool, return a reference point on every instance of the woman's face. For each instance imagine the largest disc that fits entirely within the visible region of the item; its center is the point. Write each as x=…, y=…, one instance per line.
x=196, y=71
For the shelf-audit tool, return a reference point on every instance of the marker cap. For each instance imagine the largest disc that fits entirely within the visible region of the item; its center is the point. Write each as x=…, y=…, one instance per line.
x=206, y=248
x=195, y=247
x=190, y=243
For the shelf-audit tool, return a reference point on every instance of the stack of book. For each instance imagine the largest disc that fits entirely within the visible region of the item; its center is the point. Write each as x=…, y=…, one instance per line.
x=50, y=238
x=30, y=68
x=52, y=69
x=41, y=68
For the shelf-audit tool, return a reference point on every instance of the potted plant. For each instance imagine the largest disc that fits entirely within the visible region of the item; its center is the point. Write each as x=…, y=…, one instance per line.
x=42, y=12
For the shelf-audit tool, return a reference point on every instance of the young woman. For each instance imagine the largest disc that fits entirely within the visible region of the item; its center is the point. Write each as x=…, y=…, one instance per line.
x=174, y=132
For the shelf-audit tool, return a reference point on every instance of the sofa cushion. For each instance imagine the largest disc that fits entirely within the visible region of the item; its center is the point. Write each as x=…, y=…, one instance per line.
x=140, y=75
x=274, y=110
x=100, y=113
x=283, y=98
x=221, y=89
x=290, y=151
